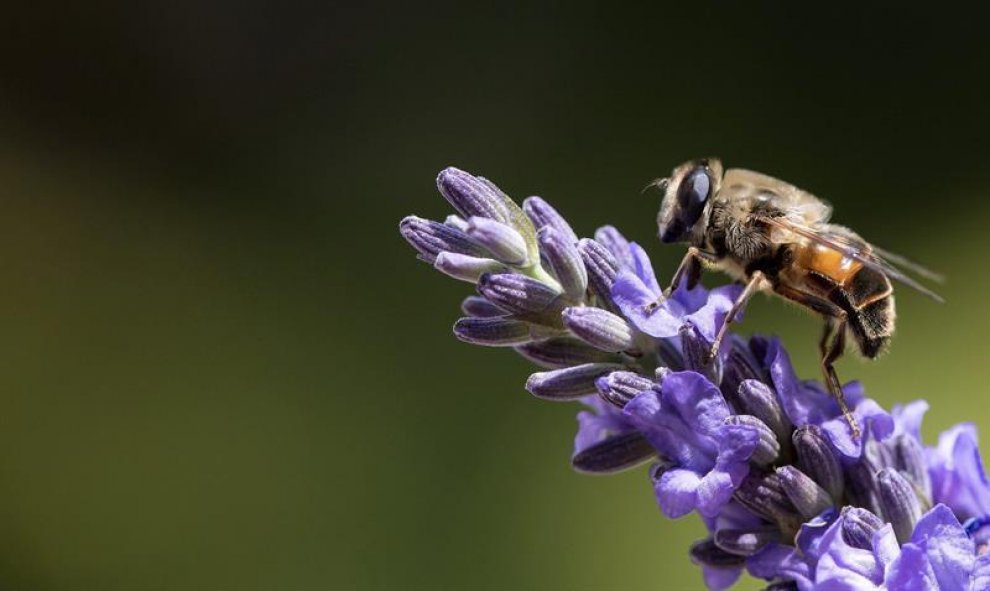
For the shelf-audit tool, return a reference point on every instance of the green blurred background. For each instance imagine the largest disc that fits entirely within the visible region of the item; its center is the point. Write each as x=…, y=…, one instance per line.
x=223, y=369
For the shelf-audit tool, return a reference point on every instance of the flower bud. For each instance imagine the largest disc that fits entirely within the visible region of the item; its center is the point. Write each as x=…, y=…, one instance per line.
x=431, y=238
x=492, y=331
x=602, y=269
x=697, y=352
x=764, y=496
x=521, y=295
x=564, y=259
x=808, y=497
x=569, y=383
x=910, y=459
x=479, y=307
x=899, y=502
x=707, y=553
x=599, y=328
x=456, y=221
x=816, y=459
x=746, y=542
x=543, y=215
x=503, y=242
x=760, y=401
x=614, y=454
x=466, y=268
x=472, y=196
x=619, y=387
x=560, y=352
x=858, y=527
x=767, y=447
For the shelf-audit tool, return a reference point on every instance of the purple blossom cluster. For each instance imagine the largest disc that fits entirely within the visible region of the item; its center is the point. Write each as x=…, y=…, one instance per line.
x=767, y=460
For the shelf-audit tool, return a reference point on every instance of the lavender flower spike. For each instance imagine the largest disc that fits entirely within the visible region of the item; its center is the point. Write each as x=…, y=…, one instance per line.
x=767, y=460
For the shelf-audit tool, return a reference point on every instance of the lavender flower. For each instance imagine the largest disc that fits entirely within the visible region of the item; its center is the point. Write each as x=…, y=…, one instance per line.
x=767, y=460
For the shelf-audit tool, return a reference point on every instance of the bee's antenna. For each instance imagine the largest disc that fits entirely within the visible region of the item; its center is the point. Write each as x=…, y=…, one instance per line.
x=660, y=184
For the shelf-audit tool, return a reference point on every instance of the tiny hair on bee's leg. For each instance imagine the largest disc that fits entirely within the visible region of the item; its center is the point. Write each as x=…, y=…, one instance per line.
x=832, y=344
x=752, y=286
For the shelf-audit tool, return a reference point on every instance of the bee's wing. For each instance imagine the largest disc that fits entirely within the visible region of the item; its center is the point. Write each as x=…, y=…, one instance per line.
x=910, y=265
x=862, y=253
x=741, y=183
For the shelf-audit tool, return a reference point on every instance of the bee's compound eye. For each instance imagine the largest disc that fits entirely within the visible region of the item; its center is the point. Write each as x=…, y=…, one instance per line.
x=693, y=194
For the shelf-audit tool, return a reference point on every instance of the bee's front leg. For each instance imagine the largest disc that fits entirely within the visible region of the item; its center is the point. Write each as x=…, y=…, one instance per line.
x=690, y=268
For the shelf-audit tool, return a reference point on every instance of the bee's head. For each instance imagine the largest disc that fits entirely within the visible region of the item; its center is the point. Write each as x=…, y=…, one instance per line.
x=684, y=213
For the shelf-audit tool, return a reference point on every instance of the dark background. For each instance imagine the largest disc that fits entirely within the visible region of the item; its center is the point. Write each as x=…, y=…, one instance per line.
x=223, y=369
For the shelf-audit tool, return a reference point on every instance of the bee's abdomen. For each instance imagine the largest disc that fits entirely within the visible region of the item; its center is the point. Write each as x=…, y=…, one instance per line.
x=868, y=299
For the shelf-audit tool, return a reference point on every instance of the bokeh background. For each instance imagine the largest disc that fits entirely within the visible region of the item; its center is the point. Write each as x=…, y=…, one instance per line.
x=221, y=367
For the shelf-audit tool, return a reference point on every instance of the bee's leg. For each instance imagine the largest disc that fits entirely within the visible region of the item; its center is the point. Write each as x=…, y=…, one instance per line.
x=753, y=286
x=690, y=268
x=832, y=345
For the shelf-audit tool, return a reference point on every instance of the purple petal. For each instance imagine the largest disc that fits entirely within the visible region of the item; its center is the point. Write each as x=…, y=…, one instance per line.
x=907, y=418
x=911, y=571
x=958, y=477
x=840, y=561
x=643, y=268
x=719, y=579
x=981, y=572
x=717, y=486
x=637, y=302
x=809, y=537
x=948, y=549
x=707, y=315
x=780, y=561
x=677, y=492
x=873, y=419
x=696, y=400
x=807, y=403
x=616, y=243
x=603, y=420
x=691, y=300
x=736, y=442
x=885, y=546
x=668, y=432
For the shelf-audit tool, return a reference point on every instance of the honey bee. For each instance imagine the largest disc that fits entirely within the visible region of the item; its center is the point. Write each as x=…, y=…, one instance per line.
x=773, y=237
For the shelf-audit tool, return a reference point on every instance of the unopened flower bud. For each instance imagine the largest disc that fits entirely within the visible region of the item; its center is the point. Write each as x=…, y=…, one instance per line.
x=503, y=242
x=492, y=331
x=471, y=195
x=544, y=215
x=599, y=328
x=569, y=383
x=808, y=497
x=899, y=502
x=564, y=259
x=614, y=454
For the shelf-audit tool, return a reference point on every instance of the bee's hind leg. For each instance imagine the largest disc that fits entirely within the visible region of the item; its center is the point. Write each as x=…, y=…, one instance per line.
x=832, y=346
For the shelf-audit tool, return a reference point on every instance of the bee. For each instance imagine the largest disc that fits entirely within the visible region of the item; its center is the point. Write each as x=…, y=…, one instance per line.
x=775, y=238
